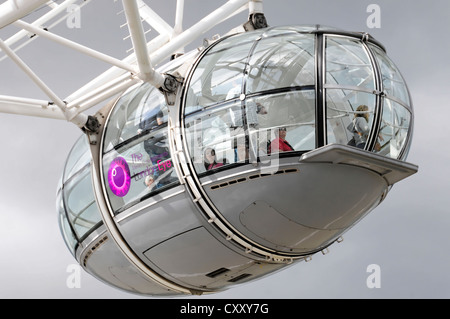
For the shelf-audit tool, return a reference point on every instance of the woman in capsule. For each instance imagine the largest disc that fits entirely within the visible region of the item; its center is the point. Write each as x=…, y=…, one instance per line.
x=361, y=126
x=210, y=160
x=279, y=144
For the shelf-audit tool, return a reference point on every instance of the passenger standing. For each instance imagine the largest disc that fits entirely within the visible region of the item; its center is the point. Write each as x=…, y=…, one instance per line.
x=361, y=126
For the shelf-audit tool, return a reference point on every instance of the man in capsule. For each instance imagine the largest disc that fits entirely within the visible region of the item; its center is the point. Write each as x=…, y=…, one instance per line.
x=155, y=145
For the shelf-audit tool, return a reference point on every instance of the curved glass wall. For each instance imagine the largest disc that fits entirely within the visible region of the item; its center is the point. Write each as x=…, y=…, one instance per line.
x=76, y=205
x=280, y=62
x=394, y=130
x=251, y=95
x=393, y=83
x=350, y=80
x=343, y=114
x=397, y=118
x=348, y=63
x=64, y=225
x=136, y=155
x=293, y=89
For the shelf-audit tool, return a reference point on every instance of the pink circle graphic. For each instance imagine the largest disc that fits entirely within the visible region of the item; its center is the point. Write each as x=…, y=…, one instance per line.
x=119, y=177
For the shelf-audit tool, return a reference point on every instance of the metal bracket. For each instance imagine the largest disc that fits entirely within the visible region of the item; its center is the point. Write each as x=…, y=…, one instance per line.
x=258, y=20
x=255, y=21
x=169, y=88
x=92, y=125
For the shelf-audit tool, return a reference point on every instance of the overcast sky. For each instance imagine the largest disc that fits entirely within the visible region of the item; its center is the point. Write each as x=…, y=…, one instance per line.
x=407, y=236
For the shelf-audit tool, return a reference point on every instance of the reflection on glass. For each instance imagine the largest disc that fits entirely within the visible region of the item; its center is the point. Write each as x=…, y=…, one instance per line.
x=66, y=231
x=346, y=124
x=276, y=71
x=219, y=74
x=394, y=129
x=211, y=129
x=79, y=202
x=281, y=62
x=252, y=90
x=393, y=82
x=238, y=132
x=124, y=120
x=347, y=63
x=78, y=211
x=137, y=159
x=79, y=156
x=294, y=111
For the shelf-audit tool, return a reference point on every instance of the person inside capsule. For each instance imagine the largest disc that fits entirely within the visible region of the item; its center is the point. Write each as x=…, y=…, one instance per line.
x=360, y=126
x=210, y=160
x=279, y=143
x=150, y=122
x=149, y=181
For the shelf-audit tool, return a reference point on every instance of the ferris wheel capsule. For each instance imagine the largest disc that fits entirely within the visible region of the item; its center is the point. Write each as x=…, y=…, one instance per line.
x=278, y=141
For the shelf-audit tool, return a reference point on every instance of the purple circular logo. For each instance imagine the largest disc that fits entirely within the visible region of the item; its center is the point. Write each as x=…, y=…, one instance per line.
x=119, y=177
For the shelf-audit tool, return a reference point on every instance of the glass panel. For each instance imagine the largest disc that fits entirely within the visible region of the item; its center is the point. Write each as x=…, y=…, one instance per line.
x=288, y=123
x=306, y=28
x=137, y=161
x=66, y=231
x=349, y=116
x=218, y=76
x=212, y=137
x=123, y=122
x=234, y=132
x=137, y=169
x=393, y=82
x=79, y=156
x=282, y=62
x=347, y=63
x=80, y=204
x=394, y=129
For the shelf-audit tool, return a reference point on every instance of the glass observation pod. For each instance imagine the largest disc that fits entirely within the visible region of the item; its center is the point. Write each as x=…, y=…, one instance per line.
x=279, y=141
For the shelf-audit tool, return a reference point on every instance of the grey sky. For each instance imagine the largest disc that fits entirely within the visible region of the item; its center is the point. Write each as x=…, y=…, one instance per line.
x=407, y=235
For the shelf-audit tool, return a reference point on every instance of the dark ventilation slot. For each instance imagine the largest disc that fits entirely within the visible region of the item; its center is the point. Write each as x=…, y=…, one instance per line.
x=252, y=177
x=93, y=248
x=239, y=278
x=217, y=272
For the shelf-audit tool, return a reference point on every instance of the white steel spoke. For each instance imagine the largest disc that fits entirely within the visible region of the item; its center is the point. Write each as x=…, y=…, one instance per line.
x=29, y=107
x=140, y=44
x=153, y=19
x=138, y=66
x=75, y=46
x=13, y=10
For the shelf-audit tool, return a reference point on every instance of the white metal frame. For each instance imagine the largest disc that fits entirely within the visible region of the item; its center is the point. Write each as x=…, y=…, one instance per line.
x=138, y=66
